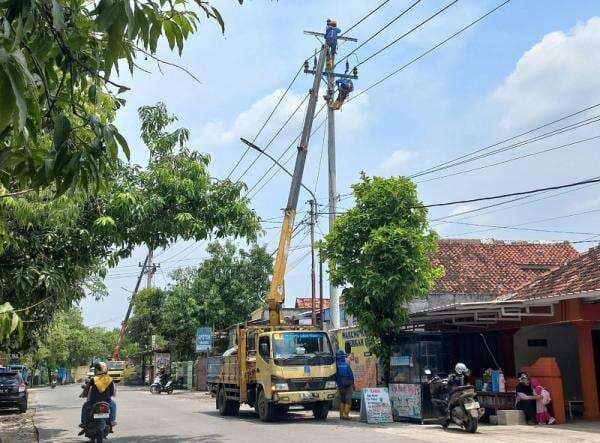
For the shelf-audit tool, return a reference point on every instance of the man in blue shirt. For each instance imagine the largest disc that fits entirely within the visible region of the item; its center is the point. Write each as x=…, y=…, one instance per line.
x=344, y=378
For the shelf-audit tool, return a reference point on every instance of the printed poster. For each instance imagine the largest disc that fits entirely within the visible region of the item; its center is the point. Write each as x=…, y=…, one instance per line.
x=406, y=400
x=375, y=406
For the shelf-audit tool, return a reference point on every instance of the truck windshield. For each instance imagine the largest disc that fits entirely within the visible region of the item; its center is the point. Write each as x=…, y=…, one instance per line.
x=115, y=365
x=302, y=348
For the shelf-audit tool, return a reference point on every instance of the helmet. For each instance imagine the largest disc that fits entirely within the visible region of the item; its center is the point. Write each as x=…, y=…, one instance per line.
x=332, y=22
x=461, y=369
x=100, y=368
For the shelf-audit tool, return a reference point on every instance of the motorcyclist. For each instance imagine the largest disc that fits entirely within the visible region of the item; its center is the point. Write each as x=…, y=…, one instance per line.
x=457, y=378
x=100, y=388
x=163, y=376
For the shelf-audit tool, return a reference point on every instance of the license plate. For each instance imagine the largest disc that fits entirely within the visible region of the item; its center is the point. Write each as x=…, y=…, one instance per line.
x=100, y=416
x=309, y=395
x=472, y=405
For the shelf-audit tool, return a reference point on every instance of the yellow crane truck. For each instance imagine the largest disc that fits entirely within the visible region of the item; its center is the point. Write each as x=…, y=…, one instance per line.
x=275, y=366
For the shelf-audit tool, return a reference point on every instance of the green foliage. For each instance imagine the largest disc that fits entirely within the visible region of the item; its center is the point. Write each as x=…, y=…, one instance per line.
x=67, y=342
x=57, y=60
x=223, y=290
x=9, y=323
x=380, y=251
x=53, y=250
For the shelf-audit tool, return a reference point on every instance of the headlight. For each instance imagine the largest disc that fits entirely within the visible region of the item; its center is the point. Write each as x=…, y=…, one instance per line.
x=22, y=388
x=281, y=387
x=330, y=384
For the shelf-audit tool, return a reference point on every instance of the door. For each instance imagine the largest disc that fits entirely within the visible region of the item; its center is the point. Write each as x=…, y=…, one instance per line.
x=263, y=361
x=596, y=346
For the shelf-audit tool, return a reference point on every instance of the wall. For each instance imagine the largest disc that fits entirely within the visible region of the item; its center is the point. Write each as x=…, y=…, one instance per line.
x=561, y=344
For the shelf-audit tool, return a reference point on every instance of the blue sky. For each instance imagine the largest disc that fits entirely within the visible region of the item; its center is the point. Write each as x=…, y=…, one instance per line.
x=525, y=65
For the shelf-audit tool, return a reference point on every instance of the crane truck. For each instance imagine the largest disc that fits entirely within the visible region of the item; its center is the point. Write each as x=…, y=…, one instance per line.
x=275, y=366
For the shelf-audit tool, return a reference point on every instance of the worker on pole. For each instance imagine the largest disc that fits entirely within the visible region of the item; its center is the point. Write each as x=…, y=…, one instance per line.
x=331, y=37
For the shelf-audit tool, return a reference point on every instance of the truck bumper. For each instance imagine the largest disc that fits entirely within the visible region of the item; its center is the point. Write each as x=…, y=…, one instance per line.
x=299, y=397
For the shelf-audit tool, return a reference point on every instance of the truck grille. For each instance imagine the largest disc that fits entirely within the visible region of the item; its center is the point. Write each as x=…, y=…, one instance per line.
x=303, y=384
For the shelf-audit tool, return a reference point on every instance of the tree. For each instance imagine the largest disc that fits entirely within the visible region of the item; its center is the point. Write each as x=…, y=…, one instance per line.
x=222, y=291
x=380, y=250
x=148, y=309
x=57, y=59
x=54, y=250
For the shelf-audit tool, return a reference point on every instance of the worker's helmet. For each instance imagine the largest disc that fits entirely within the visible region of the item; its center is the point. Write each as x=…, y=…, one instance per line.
x=100, y=368
x=332, y=22
x=461, y=369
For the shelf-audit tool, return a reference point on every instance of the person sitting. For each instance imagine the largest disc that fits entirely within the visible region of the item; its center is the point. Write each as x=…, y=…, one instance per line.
x=163, y=376
x=345, y=87
x=101, y=388
x=526, y=399
x=541, y=404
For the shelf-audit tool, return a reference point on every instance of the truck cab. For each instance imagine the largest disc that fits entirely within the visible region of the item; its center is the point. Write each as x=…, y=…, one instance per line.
x=273, y=369
x=116, y=369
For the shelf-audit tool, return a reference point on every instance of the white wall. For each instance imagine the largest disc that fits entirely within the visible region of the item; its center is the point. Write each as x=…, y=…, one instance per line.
x=562, y=344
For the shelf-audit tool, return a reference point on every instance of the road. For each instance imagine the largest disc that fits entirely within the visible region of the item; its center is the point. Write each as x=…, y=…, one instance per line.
x=191, y=417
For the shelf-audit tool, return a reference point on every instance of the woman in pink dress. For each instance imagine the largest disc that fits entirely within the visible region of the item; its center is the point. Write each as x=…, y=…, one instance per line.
x=542, y=414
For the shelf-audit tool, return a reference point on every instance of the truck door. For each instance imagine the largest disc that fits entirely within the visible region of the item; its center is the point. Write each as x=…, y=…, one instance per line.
x=263, y=364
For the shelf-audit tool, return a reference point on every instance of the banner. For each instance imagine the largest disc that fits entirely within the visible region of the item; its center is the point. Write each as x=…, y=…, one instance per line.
x=406, y=400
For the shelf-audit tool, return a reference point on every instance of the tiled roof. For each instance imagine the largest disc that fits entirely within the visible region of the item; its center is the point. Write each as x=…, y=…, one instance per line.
x=582, y=274
x=306, y=303
x=494, y=267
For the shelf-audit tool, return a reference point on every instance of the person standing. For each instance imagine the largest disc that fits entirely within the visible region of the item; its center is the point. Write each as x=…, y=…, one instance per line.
x=542, y=414
x=526, y=399
x=344, y=378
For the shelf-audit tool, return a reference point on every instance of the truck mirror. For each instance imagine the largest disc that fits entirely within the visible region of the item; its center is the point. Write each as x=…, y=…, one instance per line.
x=347, y=348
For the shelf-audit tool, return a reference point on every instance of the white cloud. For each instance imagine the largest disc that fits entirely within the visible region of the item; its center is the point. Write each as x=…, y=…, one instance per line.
x=248, y=122
x=396, y=161
x=557, y=75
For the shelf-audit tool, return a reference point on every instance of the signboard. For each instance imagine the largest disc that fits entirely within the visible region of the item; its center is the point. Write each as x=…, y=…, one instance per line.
x=204, y=339
x=406, y=400
x=162, y=359
x=360, y=359
x=375, y=406
x=153, y=342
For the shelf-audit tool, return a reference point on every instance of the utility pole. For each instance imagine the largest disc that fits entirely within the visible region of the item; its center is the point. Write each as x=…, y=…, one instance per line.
x=149, y=267
x=312, y=262
x=334, y=300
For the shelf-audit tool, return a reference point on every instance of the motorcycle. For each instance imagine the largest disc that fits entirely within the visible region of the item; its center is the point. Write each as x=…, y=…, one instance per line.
x=455, y=404
x=157, y=387
x=53, y=384
x=97, y=426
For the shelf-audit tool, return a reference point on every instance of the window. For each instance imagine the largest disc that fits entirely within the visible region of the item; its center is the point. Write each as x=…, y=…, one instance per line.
x=537, y=343
x=264, y=348
x=302, y=348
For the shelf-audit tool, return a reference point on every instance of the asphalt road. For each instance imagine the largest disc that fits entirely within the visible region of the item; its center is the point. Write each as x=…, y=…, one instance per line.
x=191, y=417
x=185, y=417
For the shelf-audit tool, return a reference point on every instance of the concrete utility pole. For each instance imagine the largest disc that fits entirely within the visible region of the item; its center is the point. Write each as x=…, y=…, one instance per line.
x=149, y=267
x=313, y=204
x=334, y=300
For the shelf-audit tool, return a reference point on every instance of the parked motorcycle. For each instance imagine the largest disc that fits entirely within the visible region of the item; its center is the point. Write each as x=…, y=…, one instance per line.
x=97, y=426
x=53, y=384
x=157, y=387
x=455, y=403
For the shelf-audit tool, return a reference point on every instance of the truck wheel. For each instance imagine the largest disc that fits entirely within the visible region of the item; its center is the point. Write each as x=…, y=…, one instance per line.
x=321, y=410
x=225, y=406
x=264, y=407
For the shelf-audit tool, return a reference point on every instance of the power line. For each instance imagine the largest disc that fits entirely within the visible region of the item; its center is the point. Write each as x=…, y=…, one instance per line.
x=512, y=194
x=429, y=51
x=581, y=111
x=366, y=17
x=268, y=118
x=274, y=136
x=489, y=165
x=540, y=137
x=407, y=33
x=379, y=31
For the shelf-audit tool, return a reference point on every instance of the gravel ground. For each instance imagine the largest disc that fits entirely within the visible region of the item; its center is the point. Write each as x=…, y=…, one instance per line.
x=17, y=428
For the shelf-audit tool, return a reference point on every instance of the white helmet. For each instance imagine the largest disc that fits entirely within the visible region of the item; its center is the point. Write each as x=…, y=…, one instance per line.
x=461, y=369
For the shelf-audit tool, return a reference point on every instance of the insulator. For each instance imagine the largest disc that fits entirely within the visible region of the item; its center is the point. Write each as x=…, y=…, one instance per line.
x=314, y=62
x=355, y=72
x=347, y=67
x=305, y=65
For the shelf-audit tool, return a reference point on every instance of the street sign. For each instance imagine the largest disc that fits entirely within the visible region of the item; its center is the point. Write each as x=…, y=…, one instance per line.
x=153, y=342
x=204, y=339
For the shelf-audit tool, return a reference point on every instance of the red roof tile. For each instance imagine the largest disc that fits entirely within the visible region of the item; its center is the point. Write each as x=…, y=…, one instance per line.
x=494, y=267
x=306, y=303
x=582, y=274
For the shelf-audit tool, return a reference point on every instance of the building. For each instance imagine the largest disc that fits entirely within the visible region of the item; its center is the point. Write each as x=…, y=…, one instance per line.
x=514, y=302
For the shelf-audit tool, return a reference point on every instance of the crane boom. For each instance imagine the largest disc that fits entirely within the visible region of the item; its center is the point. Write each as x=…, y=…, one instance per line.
x=276, y=295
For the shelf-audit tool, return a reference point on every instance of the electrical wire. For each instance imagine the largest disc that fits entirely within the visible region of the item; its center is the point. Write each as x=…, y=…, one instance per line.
x=379, y=31
x=429, y=51
x=268, y=119
x=407, y=33
x=373, y=11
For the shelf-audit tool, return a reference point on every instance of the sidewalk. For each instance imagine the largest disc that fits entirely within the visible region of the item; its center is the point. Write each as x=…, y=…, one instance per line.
x=17, y=428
